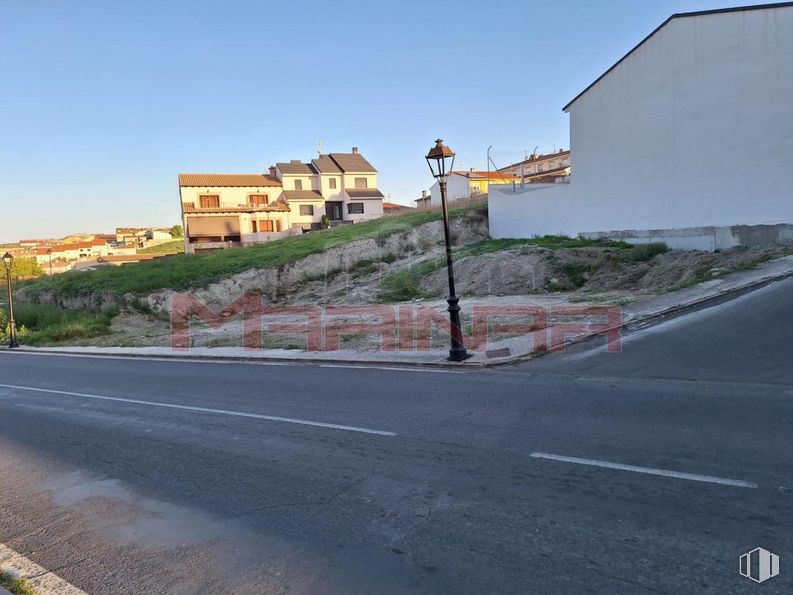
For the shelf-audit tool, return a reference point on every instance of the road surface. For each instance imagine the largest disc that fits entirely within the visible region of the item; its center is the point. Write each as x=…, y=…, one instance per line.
x=646, y=471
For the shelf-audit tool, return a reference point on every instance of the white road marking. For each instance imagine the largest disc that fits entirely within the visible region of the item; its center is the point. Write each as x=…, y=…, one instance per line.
x=290, y=420
x=647, y=470
x=421, y=368
x=42, y=581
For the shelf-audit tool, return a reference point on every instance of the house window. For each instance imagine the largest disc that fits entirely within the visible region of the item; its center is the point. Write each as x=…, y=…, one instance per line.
x=360, y=183
x=332, y=183
x=209, y=201
x=189, y=206
x=355, y=208
x=258, y=200
x=298, y=184
x=307, y=210
x=265, y=226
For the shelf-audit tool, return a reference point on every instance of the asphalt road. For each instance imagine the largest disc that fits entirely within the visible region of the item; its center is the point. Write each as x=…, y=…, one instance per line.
x=139, y=476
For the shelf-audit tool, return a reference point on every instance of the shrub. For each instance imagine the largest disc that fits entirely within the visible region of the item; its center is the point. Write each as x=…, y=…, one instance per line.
x=644, y=252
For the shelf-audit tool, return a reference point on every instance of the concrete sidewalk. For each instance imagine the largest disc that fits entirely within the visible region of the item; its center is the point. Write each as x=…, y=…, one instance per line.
x=497, y=353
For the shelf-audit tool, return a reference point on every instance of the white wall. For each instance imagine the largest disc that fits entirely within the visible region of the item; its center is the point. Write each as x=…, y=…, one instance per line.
x=695, y=128
x=456, y=188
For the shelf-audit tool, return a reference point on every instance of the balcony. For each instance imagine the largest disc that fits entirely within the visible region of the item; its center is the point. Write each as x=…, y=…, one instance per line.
x=276, y=207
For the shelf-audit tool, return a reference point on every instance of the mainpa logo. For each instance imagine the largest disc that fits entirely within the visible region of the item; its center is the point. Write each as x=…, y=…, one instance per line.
x=759, y=565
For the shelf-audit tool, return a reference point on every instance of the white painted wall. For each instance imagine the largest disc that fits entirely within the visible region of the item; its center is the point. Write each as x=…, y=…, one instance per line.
x=695, y=128
x=456, y=188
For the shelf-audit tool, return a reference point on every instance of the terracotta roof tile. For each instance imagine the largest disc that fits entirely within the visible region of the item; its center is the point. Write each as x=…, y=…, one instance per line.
x=231, y=180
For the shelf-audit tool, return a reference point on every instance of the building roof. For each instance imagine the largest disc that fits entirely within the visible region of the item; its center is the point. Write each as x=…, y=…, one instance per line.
x=231, y=180
x=680, y=15
x=352, y=163
x=364, y=193
x=484, y=175
x=392, y=206
x=296, y=168
x=537, y=159
x=325, y=165
x=302, y=195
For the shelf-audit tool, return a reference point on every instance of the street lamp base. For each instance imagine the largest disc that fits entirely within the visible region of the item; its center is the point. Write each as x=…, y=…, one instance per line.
x=13, y=345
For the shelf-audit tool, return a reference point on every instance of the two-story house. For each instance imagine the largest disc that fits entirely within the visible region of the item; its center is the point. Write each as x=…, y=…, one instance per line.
x=227, y=210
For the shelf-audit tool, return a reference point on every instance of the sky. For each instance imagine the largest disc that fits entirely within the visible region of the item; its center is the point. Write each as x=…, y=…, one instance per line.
x=103, y=103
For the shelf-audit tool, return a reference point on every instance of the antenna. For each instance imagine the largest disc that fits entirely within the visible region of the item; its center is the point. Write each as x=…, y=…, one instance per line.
x=319, y=147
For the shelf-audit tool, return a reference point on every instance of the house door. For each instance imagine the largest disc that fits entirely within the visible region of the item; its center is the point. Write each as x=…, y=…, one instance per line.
x=333, y=210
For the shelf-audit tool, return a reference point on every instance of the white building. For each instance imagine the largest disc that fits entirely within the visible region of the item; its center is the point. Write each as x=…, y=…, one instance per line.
x=687, y=139
x=226, y=210
x=468, y=184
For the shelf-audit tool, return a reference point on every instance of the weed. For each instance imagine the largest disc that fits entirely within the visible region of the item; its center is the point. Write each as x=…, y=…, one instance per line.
x=50, y=324
x=16, y=586
x=404, y=284
x=644, y=252
x=576, y=273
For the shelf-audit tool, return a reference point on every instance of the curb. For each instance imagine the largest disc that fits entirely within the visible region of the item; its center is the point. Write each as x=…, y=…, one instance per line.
x=656, y=317
x=721, y=297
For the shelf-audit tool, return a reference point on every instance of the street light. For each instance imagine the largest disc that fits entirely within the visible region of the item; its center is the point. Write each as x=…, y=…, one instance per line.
x=8, y=260
x=49, y=251
x=441, y=161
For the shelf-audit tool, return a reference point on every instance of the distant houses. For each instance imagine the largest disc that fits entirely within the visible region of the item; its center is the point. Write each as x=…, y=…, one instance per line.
x=84, y=251
x=468, y=184
x=224, y=210
x=687, y=139
x=537, y=168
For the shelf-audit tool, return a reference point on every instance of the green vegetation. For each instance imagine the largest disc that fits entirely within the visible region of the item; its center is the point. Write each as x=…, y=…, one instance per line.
x=47, y=325
x=644, y=252
x=176, y=246
x=189, y=271
x=177, y=231
x=24, y=268
x=576, y=273
x=16, y=586
x=403, y=285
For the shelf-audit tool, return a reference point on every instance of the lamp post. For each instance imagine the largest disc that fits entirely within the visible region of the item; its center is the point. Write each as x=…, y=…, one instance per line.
x=8, y=260
x=441, y=161
x=49, y=251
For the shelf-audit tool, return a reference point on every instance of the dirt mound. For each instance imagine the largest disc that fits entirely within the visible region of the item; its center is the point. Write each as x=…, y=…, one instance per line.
x=499, y=273
x=538, y=270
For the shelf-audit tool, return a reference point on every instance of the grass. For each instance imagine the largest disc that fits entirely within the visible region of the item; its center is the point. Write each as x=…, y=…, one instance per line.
x=17, y=586
x=644, y=252
x=190, y=271
x=49, y=325
x=404, y=284
x=174, y=246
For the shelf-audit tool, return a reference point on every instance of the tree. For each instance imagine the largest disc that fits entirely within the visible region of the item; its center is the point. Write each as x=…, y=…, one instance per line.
x=177, y=231
x=25, y=268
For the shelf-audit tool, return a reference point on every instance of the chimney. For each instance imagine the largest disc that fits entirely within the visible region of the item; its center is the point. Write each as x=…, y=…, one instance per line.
x=423, y=194
x=355, y=150
x=272, y=170
x=295, y=162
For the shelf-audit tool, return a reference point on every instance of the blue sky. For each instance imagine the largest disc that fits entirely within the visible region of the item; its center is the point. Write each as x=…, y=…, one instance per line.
x=102, y=103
